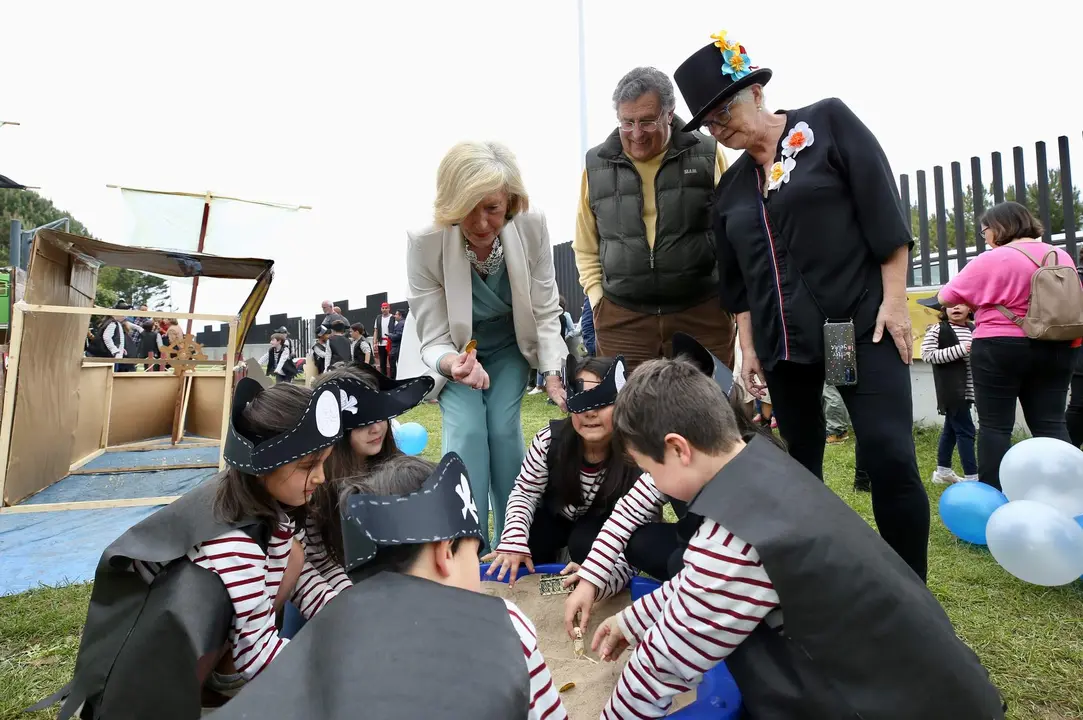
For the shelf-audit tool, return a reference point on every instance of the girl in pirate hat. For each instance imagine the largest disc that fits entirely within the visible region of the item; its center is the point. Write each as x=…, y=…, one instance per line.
x=184, y=603
x=413, y=637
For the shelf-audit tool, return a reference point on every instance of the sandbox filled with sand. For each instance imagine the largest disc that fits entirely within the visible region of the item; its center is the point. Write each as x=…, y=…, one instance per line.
x=594, y=681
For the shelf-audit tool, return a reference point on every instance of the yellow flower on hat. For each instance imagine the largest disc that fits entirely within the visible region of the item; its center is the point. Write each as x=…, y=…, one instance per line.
x=722, y=43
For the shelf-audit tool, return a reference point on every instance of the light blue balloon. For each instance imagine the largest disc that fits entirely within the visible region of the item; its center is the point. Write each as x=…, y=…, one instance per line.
x=411, y=438
x=1036, y=543
x=966, y=507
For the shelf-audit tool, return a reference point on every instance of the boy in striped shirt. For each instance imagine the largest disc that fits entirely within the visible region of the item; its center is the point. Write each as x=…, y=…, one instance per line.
x=863, y=637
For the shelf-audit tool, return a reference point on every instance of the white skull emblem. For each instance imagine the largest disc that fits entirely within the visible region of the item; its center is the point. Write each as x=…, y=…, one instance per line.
x=463, y=491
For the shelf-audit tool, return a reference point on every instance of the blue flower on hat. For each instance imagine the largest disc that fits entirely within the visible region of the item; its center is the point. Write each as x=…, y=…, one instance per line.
x=736, y=64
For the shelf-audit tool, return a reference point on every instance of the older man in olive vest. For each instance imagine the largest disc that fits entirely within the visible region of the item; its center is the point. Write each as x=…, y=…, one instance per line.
x=643, y=240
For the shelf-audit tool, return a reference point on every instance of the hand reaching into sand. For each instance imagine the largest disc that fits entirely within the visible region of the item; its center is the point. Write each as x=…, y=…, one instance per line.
x=580, y=601
x=609, y=641
x=504, y=562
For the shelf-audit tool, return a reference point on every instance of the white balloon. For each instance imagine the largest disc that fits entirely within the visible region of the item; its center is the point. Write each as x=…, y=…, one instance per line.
x=1046, y=470
x=1036, y=543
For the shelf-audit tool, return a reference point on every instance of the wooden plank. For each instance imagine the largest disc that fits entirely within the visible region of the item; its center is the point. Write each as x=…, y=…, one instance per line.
x=9, y=397
x=145, y=468
x=89, y=505
x=182, y=410
x=108, y=409
x=140, y=361
x=93, y=310
x=84, y=460
x=227, y=392
x=188, y=445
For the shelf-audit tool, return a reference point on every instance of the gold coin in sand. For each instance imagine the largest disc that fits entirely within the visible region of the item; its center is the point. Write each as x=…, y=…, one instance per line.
x=566, y=686
x=472, y=345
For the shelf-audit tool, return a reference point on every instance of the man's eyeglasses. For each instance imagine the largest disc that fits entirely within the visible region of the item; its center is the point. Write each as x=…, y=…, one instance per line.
x=720, y=121
x=627, y=126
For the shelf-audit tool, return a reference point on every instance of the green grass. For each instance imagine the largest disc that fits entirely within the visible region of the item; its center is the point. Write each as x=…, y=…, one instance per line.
x=1030, y=638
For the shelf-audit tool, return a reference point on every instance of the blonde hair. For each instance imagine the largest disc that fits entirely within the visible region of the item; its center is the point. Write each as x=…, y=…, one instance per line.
x=469, y=172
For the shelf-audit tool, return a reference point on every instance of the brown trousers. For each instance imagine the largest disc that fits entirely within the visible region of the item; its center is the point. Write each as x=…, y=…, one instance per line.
x=639, y=337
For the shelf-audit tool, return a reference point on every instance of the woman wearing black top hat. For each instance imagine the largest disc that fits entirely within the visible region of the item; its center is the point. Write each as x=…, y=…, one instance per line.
x=812, y=253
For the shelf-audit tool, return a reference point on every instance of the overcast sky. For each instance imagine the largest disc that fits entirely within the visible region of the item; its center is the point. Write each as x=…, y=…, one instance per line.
x=349, y=107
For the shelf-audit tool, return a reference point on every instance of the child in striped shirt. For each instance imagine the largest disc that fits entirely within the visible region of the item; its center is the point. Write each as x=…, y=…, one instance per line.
x=570, y=480
x=947, y=348
x=413, y=637
x=862, y=635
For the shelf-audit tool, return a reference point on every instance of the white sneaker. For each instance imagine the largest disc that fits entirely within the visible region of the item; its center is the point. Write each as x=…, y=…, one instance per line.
x=944, y=476
x=536, y=391
x=968, y=478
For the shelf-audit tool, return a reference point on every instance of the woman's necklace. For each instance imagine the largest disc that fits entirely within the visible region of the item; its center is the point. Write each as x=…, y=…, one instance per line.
x=489, y=265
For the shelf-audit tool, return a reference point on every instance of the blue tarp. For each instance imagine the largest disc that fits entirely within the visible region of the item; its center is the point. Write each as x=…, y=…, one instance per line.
x=60, y=547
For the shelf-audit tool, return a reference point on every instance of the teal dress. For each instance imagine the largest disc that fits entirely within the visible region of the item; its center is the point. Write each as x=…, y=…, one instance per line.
x=484, y=426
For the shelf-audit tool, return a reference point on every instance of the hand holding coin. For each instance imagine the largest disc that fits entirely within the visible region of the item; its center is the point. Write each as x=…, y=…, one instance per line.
x=467, y=370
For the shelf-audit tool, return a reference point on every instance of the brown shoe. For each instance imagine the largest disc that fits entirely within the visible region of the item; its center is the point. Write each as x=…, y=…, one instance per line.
x=839, y=438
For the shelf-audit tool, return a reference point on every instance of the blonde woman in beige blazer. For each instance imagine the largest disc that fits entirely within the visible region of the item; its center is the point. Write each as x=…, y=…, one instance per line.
x=483, y=272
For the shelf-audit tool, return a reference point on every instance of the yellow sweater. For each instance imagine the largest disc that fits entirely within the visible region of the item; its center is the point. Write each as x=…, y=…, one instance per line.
x=586, y=229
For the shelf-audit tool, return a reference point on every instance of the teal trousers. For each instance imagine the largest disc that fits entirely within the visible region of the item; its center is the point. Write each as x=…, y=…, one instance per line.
x=485, y=428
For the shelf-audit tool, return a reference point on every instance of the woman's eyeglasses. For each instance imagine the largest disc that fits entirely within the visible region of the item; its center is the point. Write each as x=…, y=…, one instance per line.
x=721, y=121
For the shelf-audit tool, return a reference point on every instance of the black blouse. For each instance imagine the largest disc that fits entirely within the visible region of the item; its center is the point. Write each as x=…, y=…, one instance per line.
x=812, y=249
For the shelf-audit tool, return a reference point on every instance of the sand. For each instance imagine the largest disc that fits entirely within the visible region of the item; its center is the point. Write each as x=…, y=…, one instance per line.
x=594, y=681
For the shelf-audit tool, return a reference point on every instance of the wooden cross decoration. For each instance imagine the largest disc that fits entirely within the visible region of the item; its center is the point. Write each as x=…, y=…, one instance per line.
x=183, y=358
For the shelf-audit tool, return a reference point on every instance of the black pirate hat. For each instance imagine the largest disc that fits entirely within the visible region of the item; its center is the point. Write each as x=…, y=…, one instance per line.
x=362, y=405
x=441, y=509
x=704, y=359
x=318, y=427
x=601, y=395
x=708, y=78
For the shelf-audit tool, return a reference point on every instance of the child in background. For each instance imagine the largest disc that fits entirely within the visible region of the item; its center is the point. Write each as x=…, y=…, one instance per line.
x=571, y=478
x=277, y=359
x=184, y=604
x=947, y=348
x=413, y=637
x=863, y=636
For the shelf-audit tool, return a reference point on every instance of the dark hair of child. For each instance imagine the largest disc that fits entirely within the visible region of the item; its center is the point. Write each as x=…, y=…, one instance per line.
x=620, y=472
x=279, y=337
x=358, y=327
x=748, y=428
x=241, y=495
x=398, y=476
x=341, y=464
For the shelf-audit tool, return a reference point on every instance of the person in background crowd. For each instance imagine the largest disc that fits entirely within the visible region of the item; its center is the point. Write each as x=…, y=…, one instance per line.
x=110, y=336
x=150, y=343
x=319, y=358
x=381, y=338
x=330, y=314
x=360, y=348
x=586, y=326
x=288, y=344
x=836, y=416
x=643, y=241
x=338, y=345
x=277, y=360
x=947, y=348
x=396, y=341
x=805, y=175
x=1008, y=366
x=483, y=299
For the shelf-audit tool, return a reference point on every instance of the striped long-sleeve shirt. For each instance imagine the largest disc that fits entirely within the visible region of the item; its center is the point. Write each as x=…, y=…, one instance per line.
x=545, y=701
x=527, y=494
x=605, y=566
x=692, y=622
x=252, y=578
x=932, y=353
x=316, y=554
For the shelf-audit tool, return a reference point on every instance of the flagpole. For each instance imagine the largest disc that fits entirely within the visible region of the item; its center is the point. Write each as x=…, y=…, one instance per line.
x=199, y=249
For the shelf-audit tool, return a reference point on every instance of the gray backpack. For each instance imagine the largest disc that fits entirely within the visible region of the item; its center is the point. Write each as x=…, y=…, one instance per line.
x=1055, y=307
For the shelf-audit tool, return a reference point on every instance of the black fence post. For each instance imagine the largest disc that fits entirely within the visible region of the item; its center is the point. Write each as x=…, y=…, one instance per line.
x=904, y=198
x=978, y=191
x=1067, y=195
x=923, y=229
x=1043, y=191
x=941, y=224
x=998, y=180
x=1020, y=176
x=960, y=219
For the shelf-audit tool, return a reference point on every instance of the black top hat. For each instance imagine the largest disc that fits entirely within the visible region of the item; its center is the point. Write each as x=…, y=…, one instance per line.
x=361, y=405
x=442, y=508
x=323, y=330
x=708, y=78
x=601, y=395
x=318, y=427
x=123, y=305
x=283, y=330
x=931, y=302
x=704, y=359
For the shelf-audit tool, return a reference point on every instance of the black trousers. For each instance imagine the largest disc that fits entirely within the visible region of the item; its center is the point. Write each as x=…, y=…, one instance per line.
x=1037, y=373
x=882, y=413
x=1074, y=416
x=549, y=534
x=387, y=362
x=658, y=548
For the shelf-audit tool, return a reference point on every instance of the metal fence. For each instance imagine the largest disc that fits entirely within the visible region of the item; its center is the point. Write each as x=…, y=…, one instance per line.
x=945, y=237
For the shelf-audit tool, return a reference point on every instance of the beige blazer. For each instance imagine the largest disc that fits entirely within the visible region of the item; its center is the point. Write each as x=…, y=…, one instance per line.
x=441, y=303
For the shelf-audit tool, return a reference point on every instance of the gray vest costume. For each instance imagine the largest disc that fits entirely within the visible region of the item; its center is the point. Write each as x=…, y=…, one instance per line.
x=681, y=271
x=150, y=636
x=395, y=647
x=863, y=637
